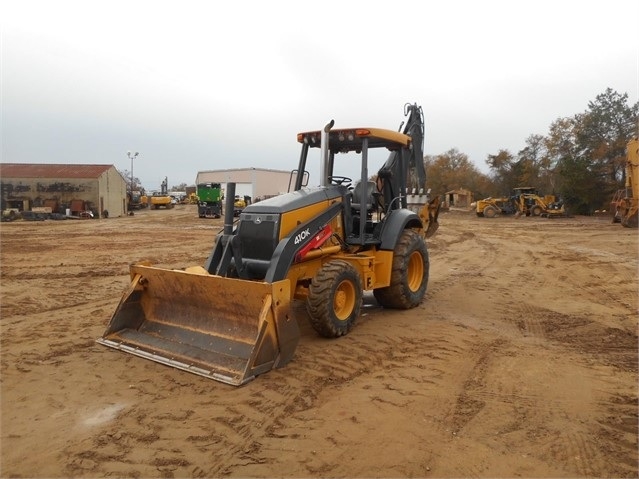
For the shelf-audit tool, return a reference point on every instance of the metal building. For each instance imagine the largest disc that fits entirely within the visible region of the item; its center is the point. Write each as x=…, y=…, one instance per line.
x=63, y=188
x=258, y=183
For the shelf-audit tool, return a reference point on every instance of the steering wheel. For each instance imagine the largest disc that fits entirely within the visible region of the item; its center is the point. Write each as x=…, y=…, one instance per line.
x=339, y=180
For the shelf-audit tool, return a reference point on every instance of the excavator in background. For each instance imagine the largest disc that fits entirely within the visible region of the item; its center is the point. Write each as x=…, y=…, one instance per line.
x=162, y=199
x=625, y=203
x=136, y=200
x=230, y=320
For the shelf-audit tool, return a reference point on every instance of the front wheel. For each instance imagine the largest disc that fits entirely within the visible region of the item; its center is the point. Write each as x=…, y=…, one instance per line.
x=409, y=277
x=334, y=299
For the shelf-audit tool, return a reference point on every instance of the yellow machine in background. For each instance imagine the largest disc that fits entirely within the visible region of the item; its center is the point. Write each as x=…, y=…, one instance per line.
x=240, y=203
x=231, y=320
x=491, y=207
x=162, y=199
x=625, y=204
x=136, y=200
x=525, y=200
x=528, y=203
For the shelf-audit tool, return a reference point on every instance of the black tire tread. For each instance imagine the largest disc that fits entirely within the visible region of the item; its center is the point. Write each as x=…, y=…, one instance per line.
x=319, y=302
x=398, y=295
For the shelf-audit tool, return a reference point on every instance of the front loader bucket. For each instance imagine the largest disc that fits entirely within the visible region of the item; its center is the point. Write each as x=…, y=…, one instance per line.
x=225, y=329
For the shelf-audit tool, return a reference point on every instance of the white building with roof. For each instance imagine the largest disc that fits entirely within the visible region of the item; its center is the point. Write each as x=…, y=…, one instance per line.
x=100, y=189
x=258, y=183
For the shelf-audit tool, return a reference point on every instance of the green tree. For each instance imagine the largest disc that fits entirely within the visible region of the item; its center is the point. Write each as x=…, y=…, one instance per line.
x=582, y=159
x=580, y=179
x=505, y=171
x=604, y=130
x=588, y=150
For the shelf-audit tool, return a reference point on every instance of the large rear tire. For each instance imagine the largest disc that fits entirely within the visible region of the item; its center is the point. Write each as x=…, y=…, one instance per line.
x=631, y=220
x=334, y=299
x=409, y=277
x=490, y=212
x=535, y=210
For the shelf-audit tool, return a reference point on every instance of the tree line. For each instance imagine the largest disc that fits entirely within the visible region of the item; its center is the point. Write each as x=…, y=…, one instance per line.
x=581, y=159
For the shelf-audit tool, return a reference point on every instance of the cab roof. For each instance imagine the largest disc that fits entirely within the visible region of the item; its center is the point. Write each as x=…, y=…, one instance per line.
x=351, y=139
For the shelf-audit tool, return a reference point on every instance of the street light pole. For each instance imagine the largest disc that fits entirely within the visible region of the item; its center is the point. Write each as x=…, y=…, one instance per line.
x=131, y=157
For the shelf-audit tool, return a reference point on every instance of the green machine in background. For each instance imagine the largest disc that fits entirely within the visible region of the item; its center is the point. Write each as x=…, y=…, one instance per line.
x=209, y=200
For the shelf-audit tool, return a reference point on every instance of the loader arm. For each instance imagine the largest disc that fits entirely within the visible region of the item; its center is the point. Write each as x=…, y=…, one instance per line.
x=286, y=250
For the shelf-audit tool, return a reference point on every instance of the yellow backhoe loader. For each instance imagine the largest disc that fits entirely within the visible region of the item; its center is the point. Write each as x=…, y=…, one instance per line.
x=527, y=202
x=492, y=207
x=524, y=200
x=230, y=320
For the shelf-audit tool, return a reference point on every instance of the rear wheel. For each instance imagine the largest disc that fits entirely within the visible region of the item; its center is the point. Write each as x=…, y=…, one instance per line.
x=490, y=212
x=409, y=277
x=535, y=210
x=630, y=221
x=334, y=299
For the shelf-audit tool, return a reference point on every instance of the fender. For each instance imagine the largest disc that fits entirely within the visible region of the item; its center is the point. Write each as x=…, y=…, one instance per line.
x=396, y=222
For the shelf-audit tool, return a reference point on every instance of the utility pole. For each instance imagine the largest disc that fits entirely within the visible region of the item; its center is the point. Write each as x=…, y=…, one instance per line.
x=131, y=157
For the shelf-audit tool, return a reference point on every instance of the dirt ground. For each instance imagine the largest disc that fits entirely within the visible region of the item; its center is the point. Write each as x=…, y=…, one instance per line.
x=521, y=362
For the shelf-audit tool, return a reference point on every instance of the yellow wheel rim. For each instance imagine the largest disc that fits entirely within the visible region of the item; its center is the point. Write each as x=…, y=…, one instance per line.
x=344, y=300
x=415, y=272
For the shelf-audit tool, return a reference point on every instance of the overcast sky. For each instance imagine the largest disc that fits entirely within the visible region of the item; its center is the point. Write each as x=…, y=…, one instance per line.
x=201, y=85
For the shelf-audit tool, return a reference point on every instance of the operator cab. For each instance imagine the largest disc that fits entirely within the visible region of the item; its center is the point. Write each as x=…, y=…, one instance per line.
x=367, y=201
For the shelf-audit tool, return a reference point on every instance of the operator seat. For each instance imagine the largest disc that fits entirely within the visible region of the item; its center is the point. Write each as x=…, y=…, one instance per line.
x=364, y=193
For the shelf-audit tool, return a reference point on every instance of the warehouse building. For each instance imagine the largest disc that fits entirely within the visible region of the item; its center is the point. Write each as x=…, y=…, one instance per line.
x=63, y=188
x=258, y=183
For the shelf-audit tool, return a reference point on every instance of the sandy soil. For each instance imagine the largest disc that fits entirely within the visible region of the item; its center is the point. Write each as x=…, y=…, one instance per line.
x=522, y=361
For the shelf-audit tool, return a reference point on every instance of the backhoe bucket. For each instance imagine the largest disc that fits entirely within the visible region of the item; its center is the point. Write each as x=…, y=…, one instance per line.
x=428, y=212
x=225, y=329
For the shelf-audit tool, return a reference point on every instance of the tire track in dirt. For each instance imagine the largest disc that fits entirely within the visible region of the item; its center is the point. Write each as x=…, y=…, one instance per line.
x=597, y=344
x=36, y=344
x=576, y=451
x=354, y=359
x=620, y=427
x=483, y=253
x=376, y=364
x=235, y=429
x=468, y=404
x=527, y=414
x=604, y=273
x=519, y=399
x=538, y=326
